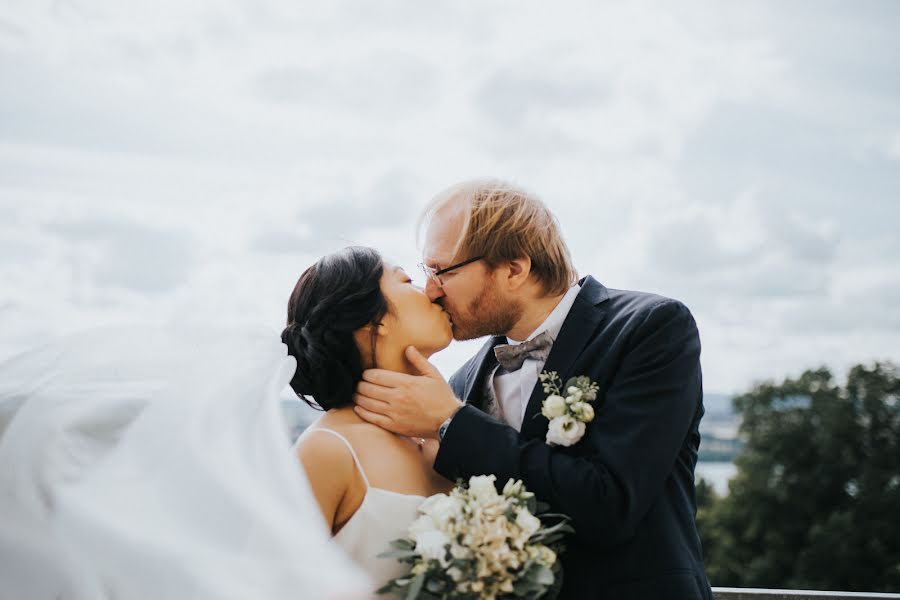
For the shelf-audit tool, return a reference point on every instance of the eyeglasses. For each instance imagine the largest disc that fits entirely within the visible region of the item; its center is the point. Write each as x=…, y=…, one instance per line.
x=435, y=275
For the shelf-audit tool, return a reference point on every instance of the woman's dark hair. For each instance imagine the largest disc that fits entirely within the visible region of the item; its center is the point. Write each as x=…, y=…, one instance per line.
x=332, y=299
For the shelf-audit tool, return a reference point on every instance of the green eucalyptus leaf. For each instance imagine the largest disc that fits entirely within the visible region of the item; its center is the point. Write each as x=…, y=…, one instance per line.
x=403, y=544
x=399, y=554
x=415, y=587
x=544, y=576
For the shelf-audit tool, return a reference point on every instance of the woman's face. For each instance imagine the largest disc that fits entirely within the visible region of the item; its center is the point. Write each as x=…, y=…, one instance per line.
x=412, y=318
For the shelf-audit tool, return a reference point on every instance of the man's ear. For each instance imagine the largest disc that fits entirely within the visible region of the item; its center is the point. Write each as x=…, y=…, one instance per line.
x=519, y=270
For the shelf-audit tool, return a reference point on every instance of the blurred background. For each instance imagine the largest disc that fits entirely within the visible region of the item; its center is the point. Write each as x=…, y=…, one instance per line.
x=185, y=161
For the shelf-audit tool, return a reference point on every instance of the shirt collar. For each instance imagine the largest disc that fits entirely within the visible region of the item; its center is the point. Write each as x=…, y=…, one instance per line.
x=554, y=321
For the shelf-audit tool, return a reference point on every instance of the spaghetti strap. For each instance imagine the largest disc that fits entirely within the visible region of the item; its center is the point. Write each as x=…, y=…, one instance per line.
x=349, y=447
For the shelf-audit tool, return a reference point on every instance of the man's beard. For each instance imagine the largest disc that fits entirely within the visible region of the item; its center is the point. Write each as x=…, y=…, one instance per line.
x=487, y=314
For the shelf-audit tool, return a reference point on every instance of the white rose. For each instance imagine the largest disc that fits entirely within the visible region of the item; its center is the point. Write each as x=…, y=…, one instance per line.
x=554, y=406
x=432, y=545
x=587, y=413
x=564, y=431
x=482, y=488
x=459, y=551
x=421, y=525
x=527, y=521
x=441, y=508
x=546, y=556
x=429, y=502
x=575, y=393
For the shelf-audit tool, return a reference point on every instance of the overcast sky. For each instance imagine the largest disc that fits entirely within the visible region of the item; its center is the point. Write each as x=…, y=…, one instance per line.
x=184, y=161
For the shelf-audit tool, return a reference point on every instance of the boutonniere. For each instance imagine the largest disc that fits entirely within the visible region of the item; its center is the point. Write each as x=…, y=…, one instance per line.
x=568, y=411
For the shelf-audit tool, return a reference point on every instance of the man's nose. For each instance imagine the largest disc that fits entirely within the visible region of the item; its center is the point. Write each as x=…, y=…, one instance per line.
x=433, y=290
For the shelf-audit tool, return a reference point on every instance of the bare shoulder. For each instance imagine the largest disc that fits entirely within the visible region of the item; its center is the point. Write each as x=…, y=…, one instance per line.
x=375, y=447
x=324, y=456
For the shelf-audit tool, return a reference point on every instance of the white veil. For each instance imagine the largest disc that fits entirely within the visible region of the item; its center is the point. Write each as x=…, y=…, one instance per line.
x=146, y=463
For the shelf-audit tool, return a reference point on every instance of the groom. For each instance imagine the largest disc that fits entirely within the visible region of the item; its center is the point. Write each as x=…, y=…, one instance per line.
x=497, y=264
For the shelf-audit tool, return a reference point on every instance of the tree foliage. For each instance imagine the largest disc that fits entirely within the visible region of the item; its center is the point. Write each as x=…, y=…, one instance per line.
x=815, y=503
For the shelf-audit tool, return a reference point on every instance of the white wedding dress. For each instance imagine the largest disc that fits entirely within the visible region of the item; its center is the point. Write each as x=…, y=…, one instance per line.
x=382, y=517
x=142, y=463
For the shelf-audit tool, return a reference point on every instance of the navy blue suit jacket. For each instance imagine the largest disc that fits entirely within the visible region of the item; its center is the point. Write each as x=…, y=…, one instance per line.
x=628, y=485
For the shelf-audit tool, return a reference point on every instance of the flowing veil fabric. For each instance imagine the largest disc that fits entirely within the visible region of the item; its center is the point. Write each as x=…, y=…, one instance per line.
x=147, y=463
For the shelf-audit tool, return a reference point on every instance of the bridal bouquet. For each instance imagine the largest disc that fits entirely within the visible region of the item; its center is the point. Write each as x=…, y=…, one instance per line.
x=476, y=543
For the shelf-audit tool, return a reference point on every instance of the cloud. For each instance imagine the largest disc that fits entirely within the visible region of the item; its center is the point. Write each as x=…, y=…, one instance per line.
x=283, y=241
x=893, y=150
x=9, y=31
x=348, y=209
x=131, y=256
x=192, y=158
x=45, y=104
x=510, y=99
x=744, y=249
x=383, y=84
x=801, y=237
x=18, y=249
x=377, y=211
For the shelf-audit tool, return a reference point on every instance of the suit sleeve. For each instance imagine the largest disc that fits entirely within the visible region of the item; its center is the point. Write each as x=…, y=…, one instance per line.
x=628, y=451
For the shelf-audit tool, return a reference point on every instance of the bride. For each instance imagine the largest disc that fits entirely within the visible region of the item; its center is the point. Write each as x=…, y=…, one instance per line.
x=140, y=462
x=350, y=311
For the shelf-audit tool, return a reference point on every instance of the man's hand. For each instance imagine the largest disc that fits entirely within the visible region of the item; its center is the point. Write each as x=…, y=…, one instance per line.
x=411, y=405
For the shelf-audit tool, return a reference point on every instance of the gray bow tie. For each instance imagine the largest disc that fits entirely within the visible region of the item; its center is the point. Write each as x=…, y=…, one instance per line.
x=511, y=357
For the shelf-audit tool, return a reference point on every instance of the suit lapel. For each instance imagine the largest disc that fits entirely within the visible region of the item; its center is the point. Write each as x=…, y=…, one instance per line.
x=482, y=363
x=581, y=322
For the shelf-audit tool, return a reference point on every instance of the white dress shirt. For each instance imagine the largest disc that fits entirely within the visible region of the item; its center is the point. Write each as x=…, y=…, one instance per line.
x=512, y=390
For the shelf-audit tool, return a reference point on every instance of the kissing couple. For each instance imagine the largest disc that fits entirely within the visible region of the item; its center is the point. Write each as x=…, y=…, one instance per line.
x=394, y=432
x=141, y=462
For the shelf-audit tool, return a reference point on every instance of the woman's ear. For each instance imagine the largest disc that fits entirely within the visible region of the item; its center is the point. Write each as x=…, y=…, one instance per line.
x=364, y=334
x=383, y=327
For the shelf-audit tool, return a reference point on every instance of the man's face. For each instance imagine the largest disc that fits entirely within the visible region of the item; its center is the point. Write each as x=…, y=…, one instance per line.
x=472, y=294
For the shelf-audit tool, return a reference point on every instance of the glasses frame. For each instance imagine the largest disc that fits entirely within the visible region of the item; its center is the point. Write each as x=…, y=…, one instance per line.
x=435, y=274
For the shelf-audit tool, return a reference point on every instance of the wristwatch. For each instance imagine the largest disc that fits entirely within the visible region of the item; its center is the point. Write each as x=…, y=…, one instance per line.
x=443, y=428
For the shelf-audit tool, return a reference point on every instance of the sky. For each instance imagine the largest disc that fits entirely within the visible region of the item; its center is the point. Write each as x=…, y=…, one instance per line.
x=184, y=162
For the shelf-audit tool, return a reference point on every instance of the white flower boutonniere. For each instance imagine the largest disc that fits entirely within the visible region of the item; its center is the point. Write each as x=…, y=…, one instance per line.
x=569, y=410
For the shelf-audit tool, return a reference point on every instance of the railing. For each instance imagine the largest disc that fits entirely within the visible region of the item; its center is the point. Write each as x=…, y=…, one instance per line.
x=720, y=593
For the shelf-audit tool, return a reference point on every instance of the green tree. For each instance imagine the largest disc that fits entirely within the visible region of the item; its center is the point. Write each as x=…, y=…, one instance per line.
x=815, y=502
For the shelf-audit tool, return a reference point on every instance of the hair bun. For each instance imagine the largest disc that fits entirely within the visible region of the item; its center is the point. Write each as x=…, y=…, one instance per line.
x=330, y=302
x=292, y=337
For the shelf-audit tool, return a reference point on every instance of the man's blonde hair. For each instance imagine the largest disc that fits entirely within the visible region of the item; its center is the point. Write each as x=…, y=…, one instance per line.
x=503, y=222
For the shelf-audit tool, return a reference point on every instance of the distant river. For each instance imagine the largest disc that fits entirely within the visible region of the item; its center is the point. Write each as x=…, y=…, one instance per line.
x=716, y=473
